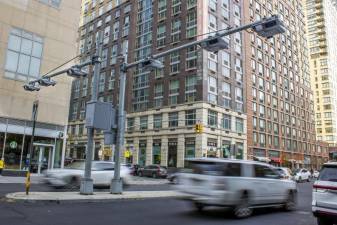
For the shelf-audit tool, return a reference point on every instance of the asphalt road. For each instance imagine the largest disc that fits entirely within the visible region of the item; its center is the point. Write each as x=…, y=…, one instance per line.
x=148, y=212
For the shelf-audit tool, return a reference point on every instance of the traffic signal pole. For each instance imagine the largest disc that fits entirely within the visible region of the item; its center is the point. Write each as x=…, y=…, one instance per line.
x=86, y=187
x=116, y=183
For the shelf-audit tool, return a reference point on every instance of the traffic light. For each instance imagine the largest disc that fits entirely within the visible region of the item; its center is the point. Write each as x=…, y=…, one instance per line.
x=198, y=128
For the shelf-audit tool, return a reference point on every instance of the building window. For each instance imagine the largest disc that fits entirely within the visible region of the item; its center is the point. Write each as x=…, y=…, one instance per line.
x=191, y=58
x=173, y=119
x=212, y=89
x=174, y=92
x=101, y=84
x=52, y=3
x=212, y=118
x=161, y=34
x=112, y=80
x=174, y=62
x=189, y=148
x=239, y=125
x=143, y=123
x=157, y=121
x=190, y=89
x=226, y=122
x=24, y=55
x=190, y=117
x=175, y=30
x=131, y=124
x=191, y=24
x=74, y=111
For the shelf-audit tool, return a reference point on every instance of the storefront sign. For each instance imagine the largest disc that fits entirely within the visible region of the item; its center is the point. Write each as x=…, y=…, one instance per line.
x=13, y=144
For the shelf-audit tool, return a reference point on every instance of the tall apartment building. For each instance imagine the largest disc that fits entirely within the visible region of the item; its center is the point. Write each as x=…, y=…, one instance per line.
x=36, y=36
x=280, y=107
x=164, y=105
x=321, y=35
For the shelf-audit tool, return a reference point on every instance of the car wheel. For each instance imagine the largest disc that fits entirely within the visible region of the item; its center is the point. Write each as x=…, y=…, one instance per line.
x=199, y=206
x=242, y=210
x=140, y=174
x=175, y=180
x=73, y=184
x=154, y=175
x=300, y=179
x=308, y=180
x=323, y=221
x=290, y=204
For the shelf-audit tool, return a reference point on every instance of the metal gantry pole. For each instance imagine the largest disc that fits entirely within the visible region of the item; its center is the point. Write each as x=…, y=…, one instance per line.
x=31, y=145
x=117, y=184
x=87, y=182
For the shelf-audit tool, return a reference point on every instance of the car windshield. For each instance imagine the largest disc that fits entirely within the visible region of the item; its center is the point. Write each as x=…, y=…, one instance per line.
x=76, y=166
x=328, y=174
x=281, y=171
x=214, y=168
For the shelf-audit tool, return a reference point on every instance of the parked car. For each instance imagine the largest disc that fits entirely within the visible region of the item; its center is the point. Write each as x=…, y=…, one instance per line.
x=302, y=175
x=324, y=198
x=154, y=171
x=69, y=177
x=315, y=174
x=238, y=184
x=285, y=172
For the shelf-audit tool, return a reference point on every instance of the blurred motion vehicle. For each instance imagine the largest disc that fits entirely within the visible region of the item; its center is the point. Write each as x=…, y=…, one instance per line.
x=238, y=184
x=302, y=175
x=285, y=172
x=154, y=171
x=173, y=178
x=315, y=174
x=134, y=169
x=324, y=198
x=70, y=177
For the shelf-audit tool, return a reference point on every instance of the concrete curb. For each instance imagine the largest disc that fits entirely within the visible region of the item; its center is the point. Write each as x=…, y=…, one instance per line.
x=74, y=197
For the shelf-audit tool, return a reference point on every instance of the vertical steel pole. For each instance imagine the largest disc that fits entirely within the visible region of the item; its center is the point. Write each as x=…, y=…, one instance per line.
x=116, y=183
x=31, y=145
x=64, y=146
x=86, y=182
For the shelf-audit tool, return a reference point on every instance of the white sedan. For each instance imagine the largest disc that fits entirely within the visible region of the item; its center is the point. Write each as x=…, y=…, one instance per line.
x=102, y=173
x=302, y=175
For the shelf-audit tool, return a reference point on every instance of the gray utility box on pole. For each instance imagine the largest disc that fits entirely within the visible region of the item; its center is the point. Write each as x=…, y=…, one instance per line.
x=99, y=115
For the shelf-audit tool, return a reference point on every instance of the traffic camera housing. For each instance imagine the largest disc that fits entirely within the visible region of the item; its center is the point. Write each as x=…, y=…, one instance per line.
x=31, y=87
x=270, y=27
x=152, y=64
x=214, y=44
x=76, y=72
x=46, y=81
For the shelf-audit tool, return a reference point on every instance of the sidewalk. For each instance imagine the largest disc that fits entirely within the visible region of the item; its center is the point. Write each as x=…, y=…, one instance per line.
x=35, y=179
x=96, y=197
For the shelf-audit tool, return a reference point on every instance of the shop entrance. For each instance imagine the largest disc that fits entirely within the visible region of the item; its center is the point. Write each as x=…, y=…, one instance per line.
x=42, y=158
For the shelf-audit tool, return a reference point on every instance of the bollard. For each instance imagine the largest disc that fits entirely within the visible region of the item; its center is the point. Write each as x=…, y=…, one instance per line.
x=27, y=182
